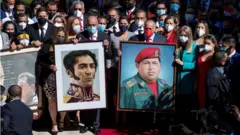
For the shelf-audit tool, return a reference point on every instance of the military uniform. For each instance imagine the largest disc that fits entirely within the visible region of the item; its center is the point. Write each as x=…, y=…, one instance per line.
x=135, y=94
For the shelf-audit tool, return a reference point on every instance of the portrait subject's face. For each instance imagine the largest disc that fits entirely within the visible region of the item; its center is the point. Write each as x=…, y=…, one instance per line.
x=84, y=69
x=27, y=89
x=149, y=69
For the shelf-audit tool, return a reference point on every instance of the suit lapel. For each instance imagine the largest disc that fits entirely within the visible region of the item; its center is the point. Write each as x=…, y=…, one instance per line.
x=37, y=31
x=48, y=32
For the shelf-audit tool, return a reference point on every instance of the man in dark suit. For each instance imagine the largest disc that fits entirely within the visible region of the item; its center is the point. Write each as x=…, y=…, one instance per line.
x=149, y=35
x=16, y=115
x=92, y=34
x=233, y=72
x=138, y=25
x=78, y=10
x=216, y=82
x=41, y=32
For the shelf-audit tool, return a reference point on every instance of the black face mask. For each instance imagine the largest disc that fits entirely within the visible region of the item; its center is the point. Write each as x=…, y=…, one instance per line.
x=42, y=21
x=129, y=6
x=51, y=15
x=111, y=21
x=10, y=34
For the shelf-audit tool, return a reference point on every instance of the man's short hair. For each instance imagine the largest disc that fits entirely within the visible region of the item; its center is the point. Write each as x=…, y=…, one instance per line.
x=19, y=3
x=141, y=11
x=113, y=8
x=71, y=58
x=42, y=9
x=102, y=17
x=30, y=77
x=229, y=40
x=15, y=91
x=52, y=2
x=219, y=56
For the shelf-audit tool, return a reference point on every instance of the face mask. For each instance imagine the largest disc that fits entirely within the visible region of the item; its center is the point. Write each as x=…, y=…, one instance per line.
x=58, y=24
x=139, y=23
x=92, y=30
x=22, y=25
x=24, y=42
x=42, y=21
x=208, y=48
x=200, y=32
x=161, y=12
x=59, y=39
x=101, y=27
x=169, y=28
x=77, y=13
x=174, y=7
x=183, y=39
x=51, y=15
x=11, y=7
x=223, y=49
x=148, y=33
x=10, y=34
x=76, y=28
x=123, y=28
x=112, y=20
x=161, y=23
x=189, y=18
x=129, y=6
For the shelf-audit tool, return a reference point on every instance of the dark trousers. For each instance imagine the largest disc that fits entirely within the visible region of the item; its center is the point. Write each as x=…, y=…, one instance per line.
x=90, y=118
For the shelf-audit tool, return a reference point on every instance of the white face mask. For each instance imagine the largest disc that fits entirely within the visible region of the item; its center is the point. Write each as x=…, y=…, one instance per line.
x=58, y=24
x=208, y=48
x=139, y=23
x=78, y=13
x=76, y=28
x=23, y=25
x=24, y=42
x=169, y=28
x=183, y=39
x=200, y=32
x=11, y=6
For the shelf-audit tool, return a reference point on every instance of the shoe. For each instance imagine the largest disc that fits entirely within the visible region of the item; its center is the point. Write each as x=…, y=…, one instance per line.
x=83, y=129
x=61, y=127
x=54, y=132
x=95, y=131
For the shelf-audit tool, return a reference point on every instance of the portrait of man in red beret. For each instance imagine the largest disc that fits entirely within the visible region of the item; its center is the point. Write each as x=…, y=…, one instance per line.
x=145, y=90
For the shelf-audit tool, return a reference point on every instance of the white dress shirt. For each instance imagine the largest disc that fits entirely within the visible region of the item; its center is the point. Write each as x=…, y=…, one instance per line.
x=117, y=28
x=44, y=30
x=94, y=36
x=151, y=38
x=131, y=11
x=230, y=56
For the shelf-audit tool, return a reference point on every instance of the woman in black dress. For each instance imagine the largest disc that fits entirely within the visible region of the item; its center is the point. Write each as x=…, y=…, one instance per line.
x=46, y=60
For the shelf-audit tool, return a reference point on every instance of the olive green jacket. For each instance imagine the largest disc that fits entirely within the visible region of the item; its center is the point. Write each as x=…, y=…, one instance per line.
x=135, y=94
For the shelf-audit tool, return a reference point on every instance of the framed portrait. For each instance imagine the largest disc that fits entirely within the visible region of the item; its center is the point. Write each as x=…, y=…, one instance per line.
x=146, y=77
x=18, y=67
x=80, y=76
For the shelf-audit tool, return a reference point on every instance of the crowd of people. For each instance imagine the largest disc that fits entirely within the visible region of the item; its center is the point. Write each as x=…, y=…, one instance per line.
x=207, y=57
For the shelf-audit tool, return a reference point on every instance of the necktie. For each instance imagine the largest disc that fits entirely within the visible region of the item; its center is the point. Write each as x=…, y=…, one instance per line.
x=129, y=14
x=114, y=29
x=148, y=39
x=81, y=27
x=42, y=34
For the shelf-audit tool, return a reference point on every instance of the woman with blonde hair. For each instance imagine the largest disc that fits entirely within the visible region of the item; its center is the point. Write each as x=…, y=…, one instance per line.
x=60, y=21
x=72, y=29
x=47, y=61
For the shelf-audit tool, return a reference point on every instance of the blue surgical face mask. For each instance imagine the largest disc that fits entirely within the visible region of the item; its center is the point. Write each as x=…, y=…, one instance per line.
x=223, y=49
x=92, y=30
x=161, y=23
x=101, y=27
x=161, y=12
x=174, y=7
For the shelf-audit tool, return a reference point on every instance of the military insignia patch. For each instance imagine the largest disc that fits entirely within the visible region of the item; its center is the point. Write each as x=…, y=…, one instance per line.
x=130, y=83
x=156, y=53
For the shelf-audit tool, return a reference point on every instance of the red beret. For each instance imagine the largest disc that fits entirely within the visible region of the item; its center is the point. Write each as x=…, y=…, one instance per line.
x=147, y=53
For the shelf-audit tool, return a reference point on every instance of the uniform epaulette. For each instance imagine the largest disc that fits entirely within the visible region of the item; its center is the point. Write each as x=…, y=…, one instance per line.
x=130, y=83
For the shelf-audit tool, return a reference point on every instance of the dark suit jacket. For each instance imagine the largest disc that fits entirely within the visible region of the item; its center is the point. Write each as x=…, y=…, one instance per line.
x=17, y=117
x=33, y=31
x=84, y=36
x=141, y=37
x=216, y=84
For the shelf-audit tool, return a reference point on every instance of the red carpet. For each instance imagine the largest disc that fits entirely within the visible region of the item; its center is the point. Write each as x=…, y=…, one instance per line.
x=124, y=132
